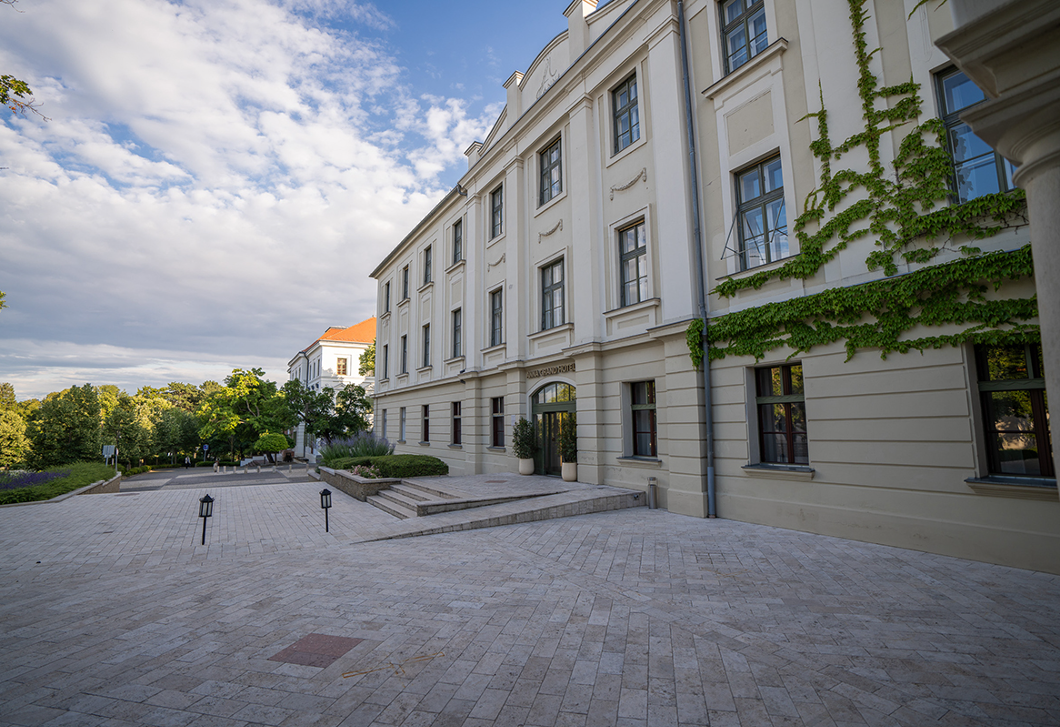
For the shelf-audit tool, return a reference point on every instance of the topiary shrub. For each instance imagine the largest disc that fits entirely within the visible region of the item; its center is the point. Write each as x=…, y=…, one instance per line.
x=409, y=465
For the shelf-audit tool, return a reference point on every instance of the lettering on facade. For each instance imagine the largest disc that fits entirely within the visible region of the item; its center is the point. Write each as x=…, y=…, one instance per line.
x=551, y=370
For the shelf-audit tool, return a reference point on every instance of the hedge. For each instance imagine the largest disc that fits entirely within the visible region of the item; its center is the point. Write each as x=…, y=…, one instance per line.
x=77, y=475
x=397, y=465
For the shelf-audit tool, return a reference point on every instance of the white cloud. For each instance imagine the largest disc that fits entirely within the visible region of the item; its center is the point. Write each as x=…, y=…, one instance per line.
x=217, y=180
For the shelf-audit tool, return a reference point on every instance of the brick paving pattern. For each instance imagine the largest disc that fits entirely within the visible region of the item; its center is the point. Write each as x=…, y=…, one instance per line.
x=629, y=617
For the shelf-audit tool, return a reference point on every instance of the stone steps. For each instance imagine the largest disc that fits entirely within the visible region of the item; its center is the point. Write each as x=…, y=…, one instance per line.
x=400, y=500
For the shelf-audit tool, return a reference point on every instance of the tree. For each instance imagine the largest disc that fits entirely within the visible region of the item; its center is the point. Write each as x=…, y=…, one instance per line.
x=123, y=429
x=176, y=431
x=311, y=408
x=366, y=364
x=243, y=409
x=352, y=407
x=66, y=428
x=270, y=444
x=7, y=398
x=16, y=95
x=14, y=445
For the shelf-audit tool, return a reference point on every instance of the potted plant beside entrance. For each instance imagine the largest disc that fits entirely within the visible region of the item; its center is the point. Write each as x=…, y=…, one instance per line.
x=568, y=448
x=524, y=445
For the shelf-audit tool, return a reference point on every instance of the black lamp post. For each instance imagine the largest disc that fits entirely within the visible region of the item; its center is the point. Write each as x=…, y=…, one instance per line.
x=325, y=502
x=205, y=511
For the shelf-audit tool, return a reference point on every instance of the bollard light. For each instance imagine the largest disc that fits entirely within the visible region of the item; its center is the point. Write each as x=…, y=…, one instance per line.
x=205, y=511
x=325, y=502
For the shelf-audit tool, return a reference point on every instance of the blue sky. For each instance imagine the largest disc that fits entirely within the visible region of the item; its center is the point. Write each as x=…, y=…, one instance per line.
x=218, y=177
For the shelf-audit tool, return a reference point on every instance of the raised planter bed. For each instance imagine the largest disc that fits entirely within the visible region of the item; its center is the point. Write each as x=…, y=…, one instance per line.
x=355, y=486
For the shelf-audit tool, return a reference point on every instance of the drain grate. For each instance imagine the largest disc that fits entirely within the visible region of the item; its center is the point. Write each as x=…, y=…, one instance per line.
x=318, y=650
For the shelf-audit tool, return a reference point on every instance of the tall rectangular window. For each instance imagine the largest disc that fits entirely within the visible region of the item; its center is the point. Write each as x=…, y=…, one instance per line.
x=426, y=423
x=552, y=295
x=743, y=31
x=781, y=402
x=340, y=367
x=762, y=219
x=457, y=434
x=645, y=439
x=551, y=172
x=496, y=212
x=633, y=264
x=428, y=264
x=386, y=297
x=401, y=425
x=458, y=344
x=427, y=344
x=1015, y=410
x=404, y=354
x=386, y=361
x=458, y=241
x=497, y=317
x=497, y=422
x=405, y=283
x=977, y=168
x=626, y=114
x=382, y=424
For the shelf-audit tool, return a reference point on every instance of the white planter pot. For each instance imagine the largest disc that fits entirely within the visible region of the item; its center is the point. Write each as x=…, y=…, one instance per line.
x=526, y=466
x=570, y=471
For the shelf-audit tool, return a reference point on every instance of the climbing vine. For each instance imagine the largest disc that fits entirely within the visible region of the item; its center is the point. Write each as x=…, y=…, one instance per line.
x=906, y=216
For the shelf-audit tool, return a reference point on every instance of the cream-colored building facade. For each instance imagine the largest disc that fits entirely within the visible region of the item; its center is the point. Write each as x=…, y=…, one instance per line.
x=562, y=274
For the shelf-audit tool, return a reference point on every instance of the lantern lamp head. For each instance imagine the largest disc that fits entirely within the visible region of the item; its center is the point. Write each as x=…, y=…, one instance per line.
x=325, y=498
x=206, y=506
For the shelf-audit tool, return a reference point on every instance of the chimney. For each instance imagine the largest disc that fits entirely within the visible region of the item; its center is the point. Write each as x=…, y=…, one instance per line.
x=577, y=27
x=515, y=105
x=472, y=153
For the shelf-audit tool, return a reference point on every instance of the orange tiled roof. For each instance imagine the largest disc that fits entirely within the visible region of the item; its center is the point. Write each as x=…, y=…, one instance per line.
x=363, y=332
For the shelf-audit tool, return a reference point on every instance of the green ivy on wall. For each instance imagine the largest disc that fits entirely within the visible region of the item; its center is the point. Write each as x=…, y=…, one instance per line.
x=905, y=216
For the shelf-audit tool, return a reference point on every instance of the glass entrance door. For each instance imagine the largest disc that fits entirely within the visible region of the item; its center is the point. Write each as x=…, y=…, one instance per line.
x=550, y=407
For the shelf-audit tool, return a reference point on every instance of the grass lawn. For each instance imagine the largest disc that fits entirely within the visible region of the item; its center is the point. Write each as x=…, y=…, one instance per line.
x=71, y=477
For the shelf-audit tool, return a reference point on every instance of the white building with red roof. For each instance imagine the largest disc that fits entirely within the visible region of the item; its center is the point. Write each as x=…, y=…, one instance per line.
x=333, y=360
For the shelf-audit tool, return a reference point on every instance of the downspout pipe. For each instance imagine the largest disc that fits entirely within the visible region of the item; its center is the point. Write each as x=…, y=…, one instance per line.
x=699, y=277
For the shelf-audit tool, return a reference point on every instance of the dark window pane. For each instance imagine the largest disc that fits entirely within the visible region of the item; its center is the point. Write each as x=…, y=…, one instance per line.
x=1005, y=363
x=774, y=448
x=796, y=379
x=959, y=92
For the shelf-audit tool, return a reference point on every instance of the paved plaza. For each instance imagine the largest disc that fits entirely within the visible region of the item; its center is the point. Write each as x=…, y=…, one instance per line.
x=112, y=613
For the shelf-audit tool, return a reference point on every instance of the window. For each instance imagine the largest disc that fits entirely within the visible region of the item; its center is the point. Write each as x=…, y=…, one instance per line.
x=456, y=423
x=386, y=361
x=743, y=32
x=977, y=169
x=496, y=212
x=405, y=283
x=382, y=424
x=551, y=172
x=426, y=423
x=427, y=344
x=458, y=346
x=386, y=297
x=1015, y=410
x=761, y=218
x=627, y=117
x=401, y=424
x=340, y=367
x=496, y=317
x=458, y=241
x=644, y=429
x=781, y=404
x=497, y=422
x=428, y=260
x=633, y=264
x=552, y=295
x=404, y=354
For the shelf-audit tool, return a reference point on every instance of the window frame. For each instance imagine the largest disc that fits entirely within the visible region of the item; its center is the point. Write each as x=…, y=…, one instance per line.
x=403, y=423
x=341, y=366
x=496, y=317
x=426, y=339
x=386, y=297
x=405, y=354
x=425, y=431
x=428, y=264
x=458, y=241
x=497, y=212
x=386, y=361
x=497, y=422
x=548, y=292
x=629, y=110
x=640, y=254
x=650, y=405
x=405, y=283
x=456, y=437
x=760, y=203
x=787, y=400
x=382, y=423
x=458, y=343
x=741, y=22
x=551, y=172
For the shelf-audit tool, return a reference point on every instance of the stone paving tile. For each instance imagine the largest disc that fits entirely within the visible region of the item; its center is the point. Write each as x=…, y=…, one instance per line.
x=630, y=617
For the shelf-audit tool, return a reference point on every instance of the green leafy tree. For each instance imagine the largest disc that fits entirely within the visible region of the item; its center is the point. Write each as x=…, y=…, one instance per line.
x=351, y=413
x=366, y=364
x=177, y=432
x=16, y=95
x=14, y=445
x=123, y=428
x=8, y=402
x=311, y=408
x=243, y=409
x=270, y=443
x=66, y=428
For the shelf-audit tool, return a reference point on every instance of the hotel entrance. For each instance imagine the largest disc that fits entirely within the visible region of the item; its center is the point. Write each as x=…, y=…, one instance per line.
x=552, y=406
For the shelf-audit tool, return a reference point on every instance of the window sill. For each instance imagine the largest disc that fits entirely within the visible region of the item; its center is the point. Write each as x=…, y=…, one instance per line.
x=400, y=441
x=458, y=264
x=491, y=349
x=1020, y=488
x=453, y=360
x=403, y=302
x=499, y=450
x=424, y=369
x=385, y=316
x=757, y=269
x=634, y=307
x=456, y=446
x=776, y=48
x=640, y=461
x=494, y=240
x=545, y=205
x=424, y=444
x=782, y=471
x=426, y=286
x=554, y=329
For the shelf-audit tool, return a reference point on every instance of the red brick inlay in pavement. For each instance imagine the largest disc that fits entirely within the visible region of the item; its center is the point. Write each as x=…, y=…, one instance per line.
x=316, y=650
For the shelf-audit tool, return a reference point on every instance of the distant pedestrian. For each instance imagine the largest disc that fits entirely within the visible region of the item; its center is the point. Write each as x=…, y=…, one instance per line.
x=187, y=462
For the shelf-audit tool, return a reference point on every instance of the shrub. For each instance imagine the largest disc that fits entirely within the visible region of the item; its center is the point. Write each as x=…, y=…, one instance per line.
x=524, y=440
x=366, y=471
x=72, y=476
x=365, y=444
x=568, y=440
x=410, y=465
